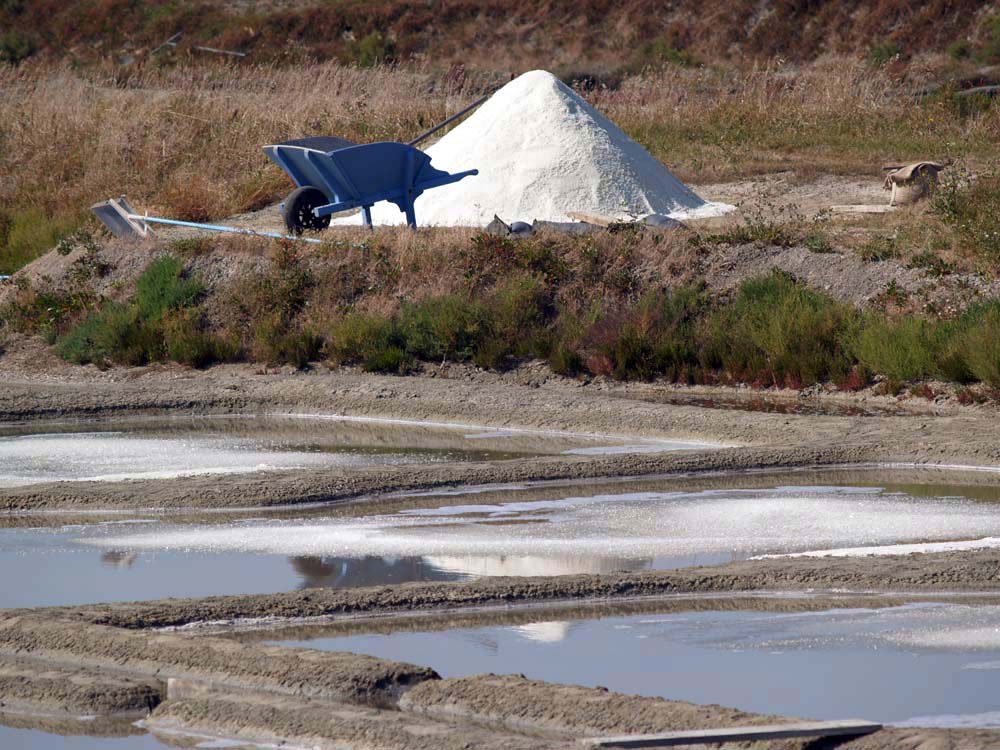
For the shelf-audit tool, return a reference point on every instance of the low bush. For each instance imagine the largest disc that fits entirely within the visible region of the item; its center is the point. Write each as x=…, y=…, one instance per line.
x=374, y=341
x=972, y=209
x=115, y=333
x=186, y=341
x=778, y=332
x=901, y=350
x=652, y=337
x=443, y=328
x=163, y=286
x=977, y=346
x=884, y=52
x=15, y=47
x=158, y=323
x=268, y=317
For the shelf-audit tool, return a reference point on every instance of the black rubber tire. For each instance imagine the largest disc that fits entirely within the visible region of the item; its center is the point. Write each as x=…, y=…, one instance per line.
x=298, y=208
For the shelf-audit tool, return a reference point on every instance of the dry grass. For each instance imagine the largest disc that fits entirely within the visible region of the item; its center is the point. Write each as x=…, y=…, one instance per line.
x=187, y=141
x=837, y=115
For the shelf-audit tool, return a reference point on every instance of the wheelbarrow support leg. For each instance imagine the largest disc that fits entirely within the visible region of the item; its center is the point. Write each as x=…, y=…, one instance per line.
x=409, y=181
x=366, y=216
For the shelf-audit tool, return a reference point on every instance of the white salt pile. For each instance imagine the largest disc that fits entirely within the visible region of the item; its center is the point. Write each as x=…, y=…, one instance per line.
x=544, y=153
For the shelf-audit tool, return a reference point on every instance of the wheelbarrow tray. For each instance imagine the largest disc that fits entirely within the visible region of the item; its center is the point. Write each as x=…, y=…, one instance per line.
x=358, y=176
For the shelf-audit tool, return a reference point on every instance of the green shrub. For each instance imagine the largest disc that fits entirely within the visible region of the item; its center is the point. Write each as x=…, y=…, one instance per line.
x=514, y=319
x=565, y=360
x=989, y=51
x=902, y=350
x=15, y=47
x=373, y=49
x=158, y=323
x=778, y=330
x=664, y=49
x=391, y=360
x=28, y=234
x=977, y=345
x=440, y=328
x=185, y=341
x=269, y=307
x=275, y=343
x=654, y=337
x=960, y=49
x=115, y=333
x=373, y=340
x=883, y=52
x=163, y=286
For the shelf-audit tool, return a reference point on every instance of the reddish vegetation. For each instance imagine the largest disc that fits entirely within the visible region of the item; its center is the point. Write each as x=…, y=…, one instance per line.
x=599, y=35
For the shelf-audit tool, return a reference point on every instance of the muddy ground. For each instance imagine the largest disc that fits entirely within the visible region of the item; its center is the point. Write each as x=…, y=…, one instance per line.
x=193, y=664
x=756, y=440
x=197, y=680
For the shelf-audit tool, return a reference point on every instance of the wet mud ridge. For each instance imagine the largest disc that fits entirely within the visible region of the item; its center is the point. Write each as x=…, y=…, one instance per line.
x=752, y=440
x=201, y=666
x=190, y=664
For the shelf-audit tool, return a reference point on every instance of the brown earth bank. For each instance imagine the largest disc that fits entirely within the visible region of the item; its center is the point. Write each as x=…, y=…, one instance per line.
x=250, y=692
x=586, y=36
x=930, y=572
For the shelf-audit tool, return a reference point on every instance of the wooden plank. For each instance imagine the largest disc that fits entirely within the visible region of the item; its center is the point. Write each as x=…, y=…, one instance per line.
x=863, y=208
x=847, y=727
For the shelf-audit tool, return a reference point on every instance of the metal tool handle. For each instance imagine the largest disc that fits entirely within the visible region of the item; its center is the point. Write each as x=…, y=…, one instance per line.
x=450, y=120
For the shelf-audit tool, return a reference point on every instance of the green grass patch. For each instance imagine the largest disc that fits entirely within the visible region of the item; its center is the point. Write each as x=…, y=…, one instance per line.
x=971, y=207
x=160, y=322
x=29, y=234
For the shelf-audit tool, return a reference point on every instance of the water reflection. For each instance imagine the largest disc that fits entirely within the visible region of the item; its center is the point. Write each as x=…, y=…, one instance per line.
x=119, y=558
x=933, y=661
x=532, y=565
x=345, y=572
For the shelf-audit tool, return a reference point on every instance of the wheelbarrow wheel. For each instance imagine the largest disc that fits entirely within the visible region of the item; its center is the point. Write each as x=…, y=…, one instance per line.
x=298, y=211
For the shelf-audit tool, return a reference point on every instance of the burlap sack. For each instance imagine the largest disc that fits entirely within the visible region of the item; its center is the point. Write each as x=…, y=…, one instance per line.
x=911, y=182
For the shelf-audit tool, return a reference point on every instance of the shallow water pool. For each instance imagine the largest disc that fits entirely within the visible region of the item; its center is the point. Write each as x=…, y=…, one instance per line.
x=157, y=449
x=543, y=529
x=599, y=527
x=126, y=737
x=923, y=664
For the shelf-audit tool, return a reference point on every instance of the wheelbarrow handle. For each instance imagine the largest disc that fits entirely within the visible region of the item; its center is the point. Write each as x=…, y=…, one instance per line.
x=450, y=120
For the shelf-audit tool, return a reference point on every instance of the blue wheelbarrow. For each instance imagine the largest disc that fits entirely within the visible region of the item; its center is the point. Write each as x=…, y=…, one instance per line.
x=331, y=174
x=334, y=175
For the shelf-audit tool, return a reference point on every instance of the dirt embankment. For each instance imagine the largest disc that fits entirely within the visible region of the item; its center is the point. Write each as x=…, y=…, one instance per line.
x=246, y=691
x=950, y=571
x=963, y=436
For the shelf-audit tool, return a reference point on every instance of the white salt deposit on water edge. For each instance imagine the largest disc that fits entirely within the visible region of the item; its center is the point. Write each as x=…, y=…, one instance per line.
x=965, y=545
x=628, y=525
x=542, y=153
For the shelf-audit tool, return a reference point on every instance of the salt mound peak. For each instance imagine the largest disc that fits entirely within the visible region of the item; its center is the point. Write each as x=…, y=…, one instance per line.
x=543, y=152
